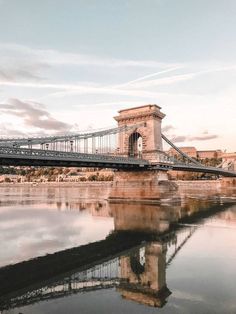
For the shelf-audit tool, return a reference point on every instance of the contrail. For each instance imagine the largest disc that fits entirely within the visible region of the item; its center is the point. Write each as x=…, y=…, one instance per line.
x=149, y=75
x=226, y=68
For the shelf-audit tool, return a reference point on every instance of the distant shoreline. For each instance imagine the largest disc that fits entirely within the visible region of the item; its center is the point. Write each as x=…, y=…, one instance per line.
x=181, y=183
x=35, y=184
x=84, y=183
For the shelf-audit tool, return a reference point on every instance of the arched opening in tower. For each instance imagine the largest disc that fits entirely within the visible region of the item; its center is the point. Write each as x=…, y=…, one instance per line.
x=137, y=261
x=135, y=145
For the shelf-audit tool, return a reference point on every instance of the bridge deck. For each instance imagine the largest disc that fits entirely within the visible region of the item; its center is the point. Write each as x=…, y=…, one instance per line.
x=38, y=157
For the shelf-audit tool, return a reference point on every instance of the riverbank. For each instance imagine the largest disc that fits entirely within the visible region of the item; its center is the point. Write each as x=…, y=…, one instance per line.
x=64, y=184
x=209, y=184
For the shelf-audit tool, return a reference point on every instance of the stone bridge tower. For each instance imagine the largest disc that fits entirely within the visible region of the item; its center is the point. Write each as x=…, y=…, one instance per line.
x=145, y=141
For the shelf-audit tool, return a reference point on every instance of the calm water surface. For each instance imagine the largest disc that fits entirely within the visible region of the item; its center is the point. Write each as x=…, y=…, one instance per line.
x=189, y=266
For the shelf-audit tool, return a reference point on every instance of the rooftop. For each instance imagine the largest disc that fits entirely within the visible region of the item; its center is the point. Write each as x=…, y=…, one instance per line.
x=149, y=106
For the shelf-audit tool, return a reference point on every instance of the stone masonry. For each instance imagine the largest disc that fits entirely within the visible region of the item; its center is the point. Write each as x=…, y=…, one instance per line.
x=150, y=131
x=142, y=185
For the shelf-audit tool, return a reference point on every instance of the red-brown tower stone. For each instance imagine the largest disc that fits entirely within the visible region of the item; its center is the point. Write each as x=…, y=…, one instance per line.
x=145, y=142
x=150, y=117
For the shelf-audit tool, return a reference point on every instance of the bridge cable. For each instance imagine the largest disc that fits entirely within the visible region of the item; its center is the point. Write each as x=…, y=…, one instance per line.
x=180, y=151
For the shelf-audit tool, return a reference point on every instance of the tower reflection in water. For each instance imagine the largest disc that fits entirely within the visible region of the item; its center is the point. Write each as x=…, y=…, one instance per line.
x=143, y=272
x=143, y=275
x=138, y=274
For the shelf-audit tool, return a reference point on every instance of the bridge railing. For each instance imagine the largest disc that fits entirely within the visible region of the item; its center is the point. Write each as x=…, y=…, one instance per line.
x=22, y=153
x=97, y=142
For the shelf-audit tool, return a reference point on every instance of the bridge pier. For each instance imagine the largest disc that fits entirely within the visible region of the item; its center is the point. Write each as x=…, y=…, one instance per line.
x=148, y=186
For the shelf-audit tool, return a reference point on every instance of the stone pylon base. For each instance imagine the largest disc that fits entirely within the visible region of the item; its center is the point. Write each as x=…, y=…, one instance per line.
x=147, y=186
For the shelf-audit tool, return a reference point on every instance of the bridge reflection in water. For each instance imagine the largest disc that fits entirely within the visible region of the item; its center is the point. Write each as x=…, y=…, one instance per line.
x=137, y=270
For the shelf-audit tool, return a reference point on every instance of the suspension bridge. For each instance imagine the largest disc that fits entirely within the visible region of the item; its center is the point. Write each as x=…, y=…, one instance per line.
x=136, y=144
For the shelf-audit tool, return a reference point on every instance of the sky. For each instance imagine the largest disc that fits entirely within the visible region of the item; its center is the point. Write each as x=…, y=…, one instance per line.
x=71, y=65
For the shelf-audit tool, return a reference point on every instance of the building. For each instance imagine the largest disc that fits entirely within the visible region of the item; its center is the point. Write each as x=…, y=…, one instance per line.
x=200, y=154
x=190, y=151
x=203, y=154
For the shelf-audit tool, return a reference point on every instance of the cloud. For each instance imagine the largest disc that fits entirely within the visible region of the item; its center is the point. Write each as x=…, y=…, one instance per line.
x=183, y=138
x=135, y=90
x=167, y=128
x=21, y=71
x=17, y=64
x=33, y=115
x=81, y=89
x=24, y=67
x=204, y=137
x=178, y=139
x=54, y=57
x=8, y=130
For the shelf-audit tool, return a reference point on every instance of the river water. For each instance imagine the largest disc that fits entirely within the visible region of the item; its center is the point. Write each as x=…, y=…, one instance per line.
x=187, y=264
